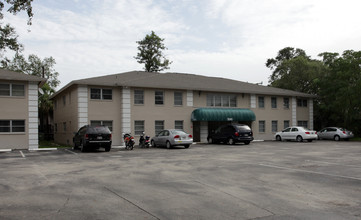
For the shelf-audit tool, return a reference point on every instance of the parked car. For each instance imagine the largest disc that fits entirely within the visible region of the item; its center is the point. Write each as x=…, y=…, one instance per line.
x=172, y=137
x=296, y=133
x=231, y=134
x=93, y=137
x=335, y=133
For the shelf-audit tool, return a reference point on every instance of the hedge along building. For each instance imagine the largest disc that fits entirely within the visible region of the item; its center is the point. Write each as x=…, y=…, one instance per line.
x=146, y=101
x=19, y=110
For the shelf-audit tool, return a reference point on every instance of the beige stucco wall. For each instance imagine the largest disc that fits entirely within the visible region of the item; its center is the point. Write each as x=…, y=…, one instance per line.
x=66, y=113
x=269, y=114
x=107, y=110
x=150, y=112
x=12, y=108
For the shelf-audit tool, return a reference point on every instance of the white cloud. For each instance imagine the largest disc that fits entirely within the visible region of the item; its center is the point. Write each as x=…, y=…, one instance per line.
x=227, y=38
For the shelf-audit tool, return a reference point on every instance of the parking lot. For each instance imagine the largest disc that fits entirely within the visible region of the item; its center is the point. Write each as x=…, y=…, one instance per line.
x=263, y=180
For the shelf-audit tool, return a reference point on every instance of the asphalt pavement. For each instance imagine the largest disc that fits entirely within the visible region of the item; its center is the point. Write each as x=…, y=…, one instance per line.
x=263, y=180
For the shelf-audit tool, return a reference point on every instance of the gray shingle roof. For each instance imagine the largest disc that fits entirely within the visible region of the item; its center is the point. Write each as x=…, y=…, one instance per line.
x=16, y=76
x=182, y=81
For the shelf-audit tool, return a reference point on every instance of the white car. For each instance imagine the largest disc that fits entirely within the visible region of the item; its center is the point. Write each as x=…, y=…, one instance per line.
x=296, y=133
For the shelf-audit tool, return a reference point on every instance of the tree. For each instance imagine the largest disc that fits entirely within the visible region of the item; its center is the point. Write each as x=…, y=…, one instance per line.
x=8, y=36
x=150, y=53
x=42, y=68
x=340, y=90
x=294, y=70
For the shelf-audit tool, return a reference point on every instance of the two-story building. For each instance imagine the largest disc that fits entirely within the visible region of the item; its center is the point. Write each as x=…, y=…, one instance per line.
x=146, y=101
x=19, y=110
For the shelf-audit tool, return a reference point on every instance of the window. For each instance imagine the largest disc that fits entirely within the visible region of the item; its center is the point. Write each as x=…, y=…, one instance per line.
x=302, y=102
x=107, y=94
x=216, y=100
x=286, y=103
x=95, y=93
x=260, y=102
x=159, y=126
x=138, y=127
x=274, y=126
x=56, y=128
x=7, y=89
x=12, y=126
x=178, y=125
x=139, y=97
x=101, y=94
x=286, y=124
x=159, y=97
x=273, y=102
x=64, y=100
x=64, y=126
x=302, y=124
x=262, y=126
x=17, y=90
x=178, y=98
x=109, y=124
x=55, y=104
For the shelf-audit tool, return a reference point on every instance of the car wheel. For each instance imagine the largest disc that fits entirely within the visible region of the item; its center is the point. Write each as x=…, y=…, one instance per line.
x=278, y=138
x=82, y=147
x=153, y=143
x=230, y=141
x=168, y=145
x=247, y=142
x=107, y=148
x=336, y=138
x=299, y=138
x=186, y=146
x=210, y=141
x=75, y=146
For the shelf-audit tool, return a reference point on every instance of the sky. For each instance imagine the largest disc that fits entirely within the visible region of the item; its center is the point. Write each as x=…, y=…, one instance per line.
x=221, y=38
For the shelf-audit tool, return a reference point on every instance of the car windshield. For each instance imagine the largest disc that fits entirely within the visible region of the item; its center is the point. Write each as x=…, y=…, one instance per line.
x=243, y=128
x=179, y=132
x=306, y=129
x=98, y=129
x=342, y=129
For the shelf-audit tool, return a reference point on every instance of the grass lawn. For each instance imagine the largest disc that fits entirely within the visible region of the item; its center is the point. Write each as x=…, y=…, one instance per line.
x=51, y=144
x=356, y=139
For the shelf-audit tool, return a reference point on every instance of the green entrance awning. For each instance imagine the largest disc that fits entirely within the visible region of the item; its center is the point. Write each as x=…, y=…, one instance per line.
x=223, y=114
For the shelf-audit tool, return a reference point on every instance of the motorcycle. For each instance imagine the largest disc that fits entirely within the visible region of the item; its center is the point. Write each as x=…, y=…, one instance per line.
x=129, y=141
x=144, y=141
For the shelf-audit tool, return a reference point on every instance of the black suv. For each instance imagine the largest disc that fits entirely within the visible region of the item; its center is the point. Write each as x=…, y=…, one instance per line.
x=231, y=134
x=93, y=137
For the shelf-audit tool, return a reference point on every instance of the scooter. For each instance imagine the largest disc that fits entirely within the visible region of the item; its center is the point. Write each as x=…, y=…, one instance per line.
x=129, y=141
x=144, y=141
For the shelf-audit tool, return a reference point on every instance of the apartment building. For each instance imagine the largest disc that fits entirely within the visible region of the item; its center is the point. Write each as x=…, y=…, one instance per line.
x=140, y=101
x=19, y=110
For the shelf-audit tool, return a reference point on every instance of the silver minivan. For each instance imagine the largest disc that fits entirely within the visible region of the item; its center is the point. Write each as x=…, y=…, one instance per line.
x=335, y=133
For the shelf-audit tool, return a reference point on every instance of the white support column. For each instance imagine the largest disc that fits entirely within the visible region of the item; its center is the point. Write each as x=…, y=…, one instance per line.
x=310, y=106
x=190, y=98
x=253, y=101
x=33, y=129
x=204, y=131
x=82, y=106
x=294, y=111
x=126, y=116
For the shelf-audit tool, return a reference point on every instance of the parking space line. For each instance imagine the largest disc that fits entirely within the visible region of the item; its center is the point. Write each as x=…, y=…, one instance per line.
x=71, y=151
x=344, y=165
x=312, y=172
x=21, y=152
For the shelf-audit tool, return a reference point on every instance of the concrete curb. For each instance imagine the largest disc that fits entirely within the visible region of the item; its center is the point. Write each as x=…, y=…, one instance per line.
x=43, y=149
x=5, y=150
